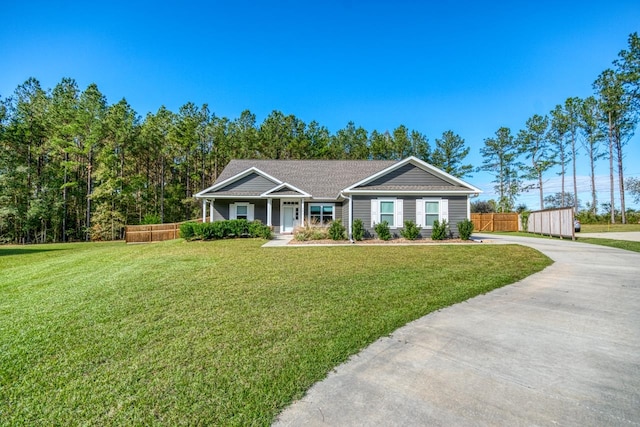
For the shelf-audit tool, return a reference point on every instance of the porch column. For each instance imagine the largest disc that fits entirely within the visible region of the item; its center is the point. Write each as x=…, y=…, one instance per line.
x=269, y=208
x=204, y=210
x=302, y=211
x=211, y=209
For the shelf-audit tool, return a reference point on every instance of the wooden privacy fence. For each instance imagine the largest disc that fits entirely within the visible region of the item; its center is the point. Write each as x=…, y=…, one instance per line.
x=552, y=222
x=495, y=221
x=152, y=233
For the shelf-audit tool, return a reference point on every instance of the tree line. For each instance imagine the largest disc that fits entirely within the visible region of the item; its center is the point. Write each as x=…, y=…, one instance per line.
x=600, y=126
x=73, y=167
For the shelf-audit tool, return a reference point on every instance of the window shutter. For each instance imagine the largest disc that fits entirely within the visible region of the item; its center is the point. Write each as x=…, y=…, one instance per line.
x=399, y=220
x=232, y=211
x=420, y=213
x=250, y=212
x=444, y=210
x=374, y=211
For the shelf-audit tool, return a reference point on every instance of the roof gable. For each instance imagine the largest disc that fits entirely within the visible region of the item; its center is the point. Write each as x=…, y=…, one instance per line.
x=285, y=190
x=251, y=181
x=412, y=174
x=407, y=175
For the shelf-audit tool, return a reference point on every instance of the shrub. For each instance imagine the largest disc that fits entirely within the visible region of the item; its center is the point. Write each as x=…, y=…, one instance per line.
x=439, y=230
x=465, y=228
x=258, y=229
x=337, y=230
x=410, y=231
x=224, y=229
x=382, y=230
x=310, y=231
x=151, y=219
x=358, y=229
x=187, y=231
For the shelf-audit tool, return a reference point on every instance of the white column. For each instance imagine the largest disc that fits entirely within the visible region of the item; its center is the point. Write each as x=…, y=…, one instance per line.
x=269, y=207
x=204, y=210
x=211, y=210
x=301, y=211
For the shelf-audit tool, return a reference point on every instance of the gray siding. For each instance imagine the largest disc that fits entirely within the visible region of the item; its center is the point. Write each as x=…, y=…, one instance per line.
x=251, y=182
x=221, y=209
x=457, y=211
x=345, y=213
x=408, y=175
x=338, y=214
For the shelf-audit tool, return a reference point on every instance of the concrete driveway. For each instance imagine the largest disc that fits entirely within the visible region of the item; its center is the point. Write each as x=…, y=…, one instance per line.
x=561, y=347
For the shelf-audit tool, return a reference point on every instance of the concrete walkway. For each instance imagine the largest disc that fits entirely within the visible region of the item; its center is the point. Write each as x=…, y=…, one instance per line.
x=279, y=240
x=561, y=347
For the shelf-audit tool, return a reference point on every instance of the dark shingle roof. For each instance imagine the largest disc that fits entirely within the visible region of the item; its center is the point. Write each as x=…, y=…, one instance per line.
x=320, y=178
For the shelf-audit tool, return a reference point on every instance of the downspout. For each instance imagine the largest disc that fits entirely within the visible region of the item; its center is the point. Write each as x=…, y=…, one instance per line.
x=350, y=216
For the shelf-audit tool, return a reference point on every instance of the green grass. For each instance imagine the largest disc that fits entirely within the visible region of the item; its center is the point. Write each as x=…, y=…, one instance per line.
x=620, y=244
x=603, y=228
x=216, y=333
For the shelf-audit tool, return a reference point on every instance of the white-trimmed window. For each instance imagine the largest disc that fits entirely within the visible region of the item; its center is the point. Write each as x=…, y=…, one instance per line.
x=389, y=210
x=430, y=210
x=322, y=213
x=241, y=210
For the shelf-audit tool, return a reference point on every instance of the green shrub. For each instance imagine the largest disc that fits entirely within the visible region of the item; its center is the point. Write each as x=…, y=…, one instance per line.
x=382, y=230
x=337, y=230
x=224, y=229
x=465, y=228
x=524, y=219
x=410, y=231
x=258, y=229
x=151, y=219
x=358, y=229
x=439, y=230
x=187, y=231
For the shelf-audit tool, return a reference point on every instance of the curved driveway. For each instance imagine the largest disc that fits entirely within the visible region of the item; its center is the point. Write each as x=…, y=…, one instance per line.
x=561, y=347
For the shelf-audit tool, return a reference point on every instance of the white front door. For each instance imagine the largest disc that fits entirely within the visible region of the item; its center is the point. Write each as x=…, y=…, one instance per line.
x=288, y=220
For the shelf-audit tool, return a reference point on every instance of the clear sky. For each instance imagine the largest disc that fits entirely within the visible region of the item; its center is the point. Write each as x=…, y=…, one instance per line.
x=468, y=66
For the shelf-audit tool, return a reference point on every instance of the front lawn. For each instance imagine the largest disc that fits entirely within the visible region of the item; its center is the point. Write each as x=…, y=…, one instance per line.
x=210, y=333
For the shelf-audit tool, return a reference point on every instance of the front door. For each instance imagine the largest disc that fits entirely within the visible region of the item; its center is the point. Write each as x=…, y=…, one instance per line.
x=288, y=219
x=290, y=213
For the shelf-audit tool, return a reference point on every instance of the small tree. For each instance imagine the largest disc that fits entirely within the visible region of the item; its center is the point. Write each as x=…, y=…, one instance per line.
x=382, y=230
x=358, y=229
x=337, y=230
x=465, y=228
x=410, y=231
x=439, y=230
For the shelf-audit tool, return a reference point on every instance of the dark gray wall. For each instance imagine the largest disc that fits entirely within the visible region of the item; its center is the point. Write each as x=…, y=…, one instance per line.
x=251, y=182
x=408, y=175
x=221, y=209
x=457, y=211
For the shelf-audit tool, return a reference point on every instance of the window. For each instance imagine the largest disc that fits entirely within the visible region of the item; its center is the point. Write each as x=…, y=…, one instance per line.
x=320, y=213
x=430, y=210
x=241, y=210
x=432, y=213
x=389, y=210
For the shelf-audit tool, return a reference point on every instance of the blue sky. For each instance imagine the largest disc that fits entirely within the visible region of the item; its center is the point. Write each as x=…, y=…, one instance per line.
x=433, y=66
